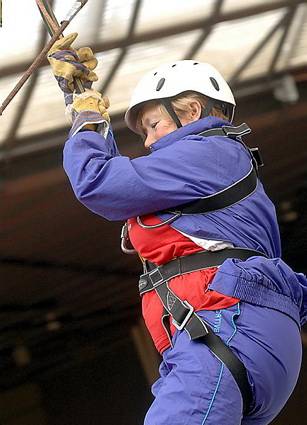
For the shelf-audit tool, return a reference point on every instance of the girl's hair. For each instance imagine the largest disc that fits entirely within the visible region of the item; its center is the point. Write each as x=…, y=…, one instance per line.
x=181, y=105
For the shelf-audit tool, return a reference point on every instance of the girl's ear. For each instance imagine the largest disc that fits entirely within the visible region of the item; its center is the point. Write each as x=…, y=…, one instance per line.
x=195, y=110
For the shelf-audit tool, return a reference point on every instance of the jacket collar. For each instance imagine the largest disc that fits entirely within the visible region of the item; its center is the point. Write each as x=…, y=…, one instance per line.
x=195, y=128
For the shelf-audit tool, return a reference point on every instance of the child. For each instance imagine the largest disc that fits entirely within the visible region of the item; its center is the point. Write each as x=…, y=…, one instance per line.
x=222, y=308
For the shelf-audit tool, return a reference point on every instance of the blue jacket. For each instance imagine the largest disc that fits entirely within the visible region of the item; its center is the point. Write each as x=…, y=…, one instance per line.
x=183, y=167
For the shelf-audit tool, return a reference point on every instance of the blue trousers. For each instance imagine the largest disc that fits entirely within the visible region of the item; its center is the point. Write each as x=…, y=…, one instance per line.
x=196, y=388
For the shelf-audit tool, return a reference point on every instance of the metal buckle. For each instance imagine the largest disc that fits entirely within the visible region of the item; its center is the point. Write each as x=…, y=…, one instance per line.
x=186, y=319
x=142, y=282
x=153, y=280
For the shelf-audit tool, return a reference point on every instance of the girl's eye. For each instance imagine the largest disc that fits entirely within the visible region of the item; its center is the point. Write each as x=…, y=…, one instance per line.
x=154, y=125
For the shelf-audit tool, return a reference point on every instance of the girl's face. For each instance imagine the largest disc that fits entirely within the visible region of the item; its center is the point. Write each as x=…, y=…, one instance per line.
x=155, y=124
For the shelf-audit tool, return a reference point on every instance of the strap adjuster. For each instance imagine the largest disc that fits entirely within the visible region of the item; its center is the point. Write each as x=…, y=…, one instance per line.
x=257, y=158
x=156, y=277
x=181, y=325
x=240, y=130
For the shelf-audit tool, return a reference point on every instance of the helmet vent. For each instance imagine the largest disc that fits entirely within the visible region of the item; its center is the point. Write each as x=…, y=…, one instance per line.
x=160, y=84
x=196, y=63
x=155, y=73
x=173, y=65
x=215, y=83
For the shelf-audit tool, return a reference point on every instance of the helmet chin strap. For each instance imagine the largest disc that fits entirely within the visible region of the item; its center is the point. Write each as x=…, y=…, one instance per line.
x=168, y=106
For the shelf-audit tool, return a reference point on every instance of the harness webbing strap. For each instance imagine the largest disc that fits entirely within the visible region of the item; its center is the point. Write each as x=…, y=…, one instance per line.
x=155, y=276
x=225, y=198
x=227, y=130
x=233, y=193
x=183, y=314
x=184, y=317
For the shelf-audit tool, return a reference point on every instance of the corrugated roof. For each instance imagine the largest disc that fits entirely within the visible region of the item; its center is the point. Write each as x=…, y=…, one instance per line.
x=132, y=37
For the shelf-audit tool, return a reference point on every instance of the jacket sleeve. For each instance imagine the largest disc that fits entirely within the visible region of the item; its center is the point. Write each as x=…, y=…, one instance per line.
x=117, y=187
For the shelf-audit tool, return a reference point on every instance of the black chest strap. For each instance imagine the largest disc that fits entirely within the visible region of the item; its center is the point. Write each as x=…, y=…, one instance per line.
x=237, y=191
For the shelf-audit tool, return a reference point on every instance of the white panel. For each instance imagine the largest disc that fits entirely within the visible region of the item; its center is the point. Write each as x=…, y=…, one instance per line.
x=116, y=19
x=294, y=52
x=261, y=63
x=85, y=21
x=45, y=110
x=105, y=63
x=20, y=32
x=141, y=59
x=231, y=42
x=160, y=13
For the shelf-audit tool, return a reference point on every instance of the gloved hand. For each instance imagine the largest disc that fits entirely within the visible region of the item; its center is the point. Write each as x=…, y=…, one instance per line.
x=93, y=101
x=68, y=63
x=89, y=110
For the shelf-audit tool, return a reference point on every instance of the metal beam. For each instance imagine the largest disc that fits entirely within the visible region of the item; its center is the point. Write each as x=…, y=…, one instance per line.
x=255, y=52
x=110, y=77
x=287, y=25
x=206, y=32
x=27, y=94
x=297, y=32
x=98, y=19
x=171, y=30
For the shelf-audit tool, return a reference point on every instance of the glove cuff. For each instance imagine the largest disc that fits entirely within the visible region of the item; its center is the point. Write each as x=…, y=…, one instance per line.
x=89, y=117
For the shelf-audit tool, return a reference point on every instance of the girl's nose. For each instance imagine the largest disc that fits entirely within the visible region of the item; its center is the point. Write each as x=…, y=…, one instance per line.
x=148, y=141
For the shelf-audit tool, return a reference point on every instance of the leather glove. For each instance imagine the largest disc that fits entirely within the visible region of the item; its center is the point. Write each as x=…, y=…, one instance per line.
x=68, y=63
x=91, y=100
x=89, y=111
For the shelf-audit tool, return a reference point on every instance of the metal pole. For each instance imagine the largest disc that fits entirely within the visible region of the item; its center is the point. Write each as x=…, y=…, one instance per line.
x=48, y=16
x=38, y=60
x=52, y=25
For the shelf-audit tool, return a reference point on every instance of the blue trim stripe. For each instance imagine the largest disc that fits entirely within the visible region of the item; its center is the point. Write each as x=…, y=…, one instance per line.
x=214, y=394
x=236, y=313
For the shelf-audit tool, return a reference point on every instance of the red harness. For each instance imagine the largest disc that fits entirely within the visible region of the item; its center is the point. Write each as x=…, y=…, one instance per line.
x=160, y=245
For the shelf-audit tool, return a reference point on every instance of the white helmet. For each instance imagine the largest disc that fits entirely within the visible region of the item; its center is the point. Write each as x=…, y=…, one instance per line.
x=172, y=79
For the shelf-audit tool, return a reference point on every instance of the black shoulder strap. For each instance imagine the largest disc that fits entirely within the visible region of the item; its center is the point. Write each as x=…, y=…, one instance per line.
x=227, y=131
x=237, y=191
x=225, y=198
x=236, y=133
